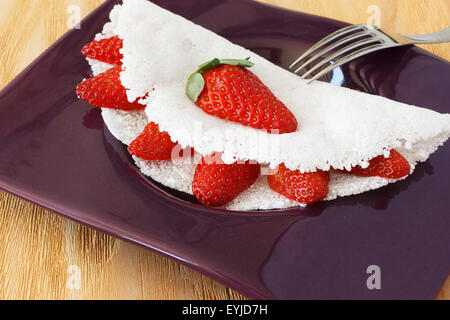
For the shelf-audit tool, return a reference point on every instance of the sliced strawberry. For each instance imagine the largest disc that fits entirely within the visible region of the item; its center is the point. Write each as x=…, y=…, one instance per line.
x=216, y=184
x=228, y=90
x=105, y=50
x=393, y=167
x=152, y=144
x=305, y=188
x=106, y=91
x=360, y=171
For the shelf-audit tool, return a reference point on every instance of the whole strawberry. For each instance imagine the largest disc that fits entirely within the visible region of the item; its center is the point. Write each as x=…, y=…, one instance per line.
x=106, y=91
x=305, y=188
x=227, y=89
x=215, y=184
x=393, y=167
x=152, y=144
x=105, y=50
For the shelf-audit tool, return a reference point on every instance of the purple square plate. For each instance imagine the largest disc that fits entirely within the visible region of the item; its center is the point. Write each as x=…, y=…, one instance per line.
x=56, y=152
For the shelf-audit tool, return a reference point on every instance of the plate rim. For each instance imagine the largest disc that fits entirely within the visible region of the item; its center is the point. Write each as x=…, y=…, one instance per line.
x=239, y=287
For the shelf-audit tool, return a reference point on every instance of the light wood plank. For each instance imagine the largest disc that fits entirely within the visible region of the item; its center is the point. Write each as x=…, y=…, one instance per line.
x=404, y=17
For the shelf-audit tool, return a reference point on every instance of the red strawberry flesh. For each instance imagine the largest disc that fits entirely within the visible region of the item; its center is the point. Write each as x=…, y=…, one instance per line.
x=105, y=50
x=393, y=167
x=106, y=91
x=305, y=188
x=216, y=184
x=152, y=144
x=236, y=94
x=228, y=90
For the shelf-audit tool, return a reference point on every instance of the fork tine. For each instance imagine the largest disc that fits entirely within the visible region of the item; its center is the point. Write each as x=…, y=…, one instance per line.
x=350, y=57
x=349, y=38
x=326, y=40
x=338, y=53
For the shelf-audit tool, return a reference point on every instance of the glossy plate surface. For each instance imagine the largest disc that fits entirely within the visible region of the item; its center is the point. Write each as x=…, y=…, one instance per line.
x=56, y=152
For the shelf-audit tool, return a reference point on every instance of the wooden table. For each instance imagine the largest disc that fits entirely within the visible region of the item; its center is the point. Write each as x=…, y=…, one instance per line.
x=37, y=246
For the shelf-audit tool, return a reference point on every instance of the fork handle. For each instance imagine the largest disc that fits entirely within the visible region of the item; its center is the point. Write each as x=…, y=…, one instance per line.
x=435, y=37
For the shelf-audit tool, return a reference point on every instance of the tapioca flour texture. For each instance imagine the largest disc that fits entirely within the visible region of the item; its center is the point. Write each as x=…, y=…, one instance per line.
x=163, y=81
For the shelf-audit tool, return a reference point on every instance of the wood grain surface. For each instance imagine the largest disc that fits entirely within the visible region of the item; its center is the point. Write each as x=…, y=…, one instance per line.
x=38, y=247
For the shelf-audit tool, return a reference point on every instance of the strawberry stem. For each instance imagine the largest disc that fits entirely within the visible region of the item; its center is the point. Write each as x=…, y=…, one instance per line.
x=196, y=83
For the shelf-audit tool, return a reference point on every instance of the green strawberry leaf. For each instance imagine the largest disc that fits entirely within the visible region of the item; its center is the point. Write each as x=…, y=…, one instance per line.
x=209, y=65
x=245, y=63
x=196, y=82
x=195, y=86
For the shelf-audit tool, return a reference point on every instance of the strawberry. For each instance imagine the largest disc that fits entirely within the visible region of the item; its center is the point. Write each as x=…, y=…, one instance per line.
x=106, y=91
x=228, y=90
x=152, y=144
x=105, y=50
x=393, y=167
x=305, y=188
x=216, y=184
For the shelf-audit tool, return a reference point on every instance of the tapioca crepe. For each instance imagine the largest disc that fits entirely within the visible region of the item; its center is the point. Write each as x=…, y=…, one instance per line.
x=338, y=128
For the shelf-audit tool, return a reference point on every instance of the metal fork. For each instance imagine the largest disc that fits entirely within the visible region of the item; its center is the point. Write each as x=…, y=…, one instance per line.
x=359, y=40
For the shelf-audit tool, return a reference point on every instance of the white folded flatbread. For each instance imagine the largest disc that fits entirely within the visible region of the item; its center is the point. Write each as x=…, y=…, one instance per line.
x=338, y=127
